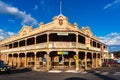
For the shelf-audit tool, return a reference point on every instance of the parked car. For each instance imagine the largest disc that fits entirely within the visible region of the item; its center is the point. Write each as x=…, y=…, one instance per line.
x=3, y=67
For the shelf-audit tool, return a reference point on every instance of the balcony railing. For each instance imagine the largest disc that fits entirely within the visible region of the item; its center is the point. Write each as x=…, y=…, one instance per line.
x=22, y=48
x=30, y=47
x=41, y=45
x=95, y=49
x=9, y=50
x=4, y=51
x=106, y=50
x=81, y=46
x=14, y=49
x=52, y=45
x=44, y=45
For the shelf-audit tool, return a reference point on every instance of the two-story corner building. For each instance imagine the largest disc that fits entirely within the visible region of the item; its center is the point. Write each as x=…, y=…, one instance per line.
x=56, y=45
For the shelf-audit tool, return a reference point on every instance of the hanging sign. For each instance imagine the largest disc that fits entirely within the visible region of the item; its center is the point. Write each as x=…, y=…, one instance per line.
x=65, y=53
x=59, y=52
x=75, y=57
x=63, y=34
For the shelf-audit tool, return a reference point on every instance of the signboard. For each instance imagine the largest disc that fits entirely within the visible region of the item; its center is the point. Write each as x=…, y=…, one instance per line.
x=44, y=60
x=63, y=34
x=64, y=53
x=59, y=52
x=115, y=57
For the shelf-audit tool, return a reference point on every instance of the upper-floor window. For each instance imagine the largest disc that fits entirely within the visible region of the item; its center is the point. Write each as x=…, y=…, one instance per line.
x=81, y=39
x=94, y=44
x=15, y=44
x=41, y=38
x=31, y=41
x=98, y=45
x=10, y=45
x=91, y=42
x=22, y=43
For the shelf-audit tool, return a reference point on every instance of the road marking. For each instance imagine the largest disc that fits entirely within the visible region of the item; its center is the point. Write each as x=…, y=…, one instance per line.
x=97, y=71
x=71, y=71
x=84, y=72
x=55, y=71
x=105, y=73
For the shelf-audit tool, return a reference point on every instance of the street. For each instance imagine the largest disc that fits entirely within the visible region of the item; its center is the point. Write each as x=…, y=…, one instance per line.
x=106, y=73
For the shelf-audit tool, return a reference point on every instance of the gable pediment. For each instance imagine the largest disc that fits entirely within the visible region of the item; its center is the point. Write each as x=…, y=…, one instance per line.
x=87, y=31
x=25, y=30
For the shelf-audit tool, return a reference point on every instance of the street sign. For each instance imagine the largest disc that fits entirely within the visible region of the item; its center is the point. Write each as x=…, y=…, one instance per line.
x=65, y=53
x=62, y=34
x=44, y=60
x=59, y=52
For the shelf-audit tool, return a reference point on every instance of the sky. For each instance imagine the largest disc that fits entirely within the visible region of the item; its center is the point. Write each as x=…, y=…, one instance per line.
x=102, y=16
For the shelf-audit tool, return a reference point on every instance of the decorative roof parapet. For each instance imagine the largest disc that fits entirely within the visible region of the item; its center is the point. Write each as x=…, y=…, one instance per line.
x=25, y=30
x=75, y=25
x=41, y=24
x=86, y=30
x=60, y=16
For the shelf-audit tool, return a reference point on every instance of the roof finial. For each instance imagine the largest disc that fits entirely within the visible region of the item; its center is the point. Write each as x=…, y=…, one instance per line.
x=60, y=6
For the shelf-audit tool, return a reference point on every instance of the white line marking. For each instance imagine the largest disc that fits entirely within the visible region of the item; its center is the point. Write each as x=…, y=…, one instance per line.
x=105, y=73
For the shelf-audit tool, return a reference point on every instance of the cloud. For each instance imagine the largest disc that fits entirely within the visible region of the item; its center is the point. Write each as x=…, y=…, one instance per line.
x=108, y=5
x=27, y=19
x=11, y=20
x=116, y=2
x=10, y=33
x=111, y=39
x=5, y=34
x=36, y=7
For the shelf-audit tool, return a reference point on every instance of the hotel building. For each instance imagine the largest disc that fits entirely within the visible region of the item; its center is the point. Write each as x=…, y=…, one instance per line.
x=55, y=45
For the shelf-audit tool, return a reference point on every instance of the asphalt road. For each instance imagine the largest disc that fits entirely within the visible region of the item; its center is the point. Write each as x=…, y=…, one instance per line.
x=95, y=74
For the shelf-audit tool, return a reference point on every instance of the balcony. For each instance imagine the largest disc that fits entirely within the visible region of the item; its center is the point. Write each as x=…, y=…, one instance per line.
x=22, y=48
